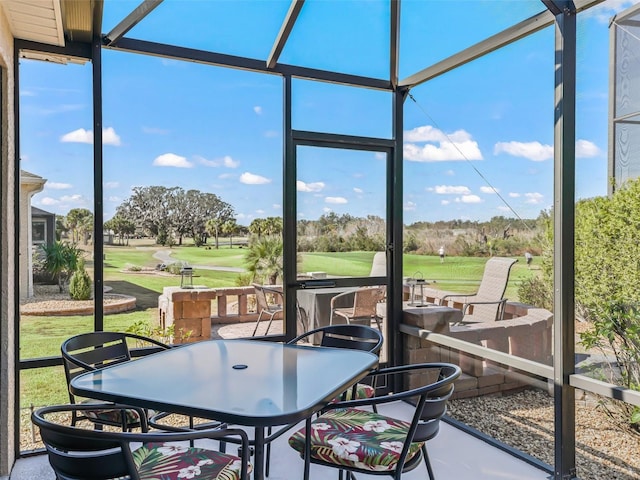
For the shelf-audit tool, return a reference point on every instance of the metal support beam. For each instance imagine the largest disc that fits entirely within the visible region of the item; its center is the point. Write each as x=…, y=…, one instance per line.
x=335, y=140
x=71, y=49
x=552, y=6
x=130, y=21
x=285, y=30
x=289, y=220
x=98, y=213
x=563, y=240
x=395, y=221
x=394, y=42
x=510, y=35
x=242, y=63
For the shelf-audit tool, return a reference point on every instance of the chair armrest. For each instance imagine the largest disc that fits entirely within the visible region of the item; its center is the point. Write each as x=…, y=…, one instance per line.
x=466, y=306
x=337, y=297
x=404, y=395
x=501, y=303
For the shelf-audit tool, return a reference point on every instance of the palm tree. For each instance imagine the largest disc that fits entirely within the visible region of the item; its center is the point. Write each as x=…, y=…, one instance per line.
x=60, y=260
x=264, y=259
x=229, y=228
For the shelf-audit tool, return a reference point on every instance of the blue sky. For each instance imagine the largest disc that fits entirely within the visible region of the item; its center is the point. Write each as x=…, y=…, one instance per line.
x=478, y=140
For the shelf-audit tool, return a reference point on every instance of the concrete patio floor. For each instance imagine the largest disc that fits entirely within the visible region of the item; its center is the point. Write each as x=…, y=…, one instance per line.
x=454, y=455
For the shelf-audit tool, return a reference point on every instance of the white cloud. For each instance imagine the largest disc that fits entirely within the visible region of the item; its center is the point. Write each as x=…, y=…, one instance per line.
x=109, y=137
x=380, y=156
x=111, y=185
x=502, y=208
x=469, y=199
x=78, y=136
x=358, y=190
x=486, y=189
x=226, y=161
x=58, y=185
x=276, y=206
x=260, y=211
x=309, y=187
x=336, y=200
x=229, y=162
x=451, y=190
x=271, y=134
x=445, y=202
x=586, y=149
x=114, y=199
x=534, y=151
x=253, y=179
x=514, y=194
x=257, y=109
x=410, y=206
x=172, y=160
x=533, y=198
x=327, y=210
x=66, y=202
x=428, y=144
x=604, y=11
x=449, y=173
x=223, y=176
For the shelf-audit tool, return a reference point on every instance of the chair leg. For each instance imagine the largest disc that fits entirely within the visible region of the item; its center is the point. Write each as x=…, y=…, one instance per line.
x=427, y=462
x=255, y=330
x=267, y=460
x=269, y=324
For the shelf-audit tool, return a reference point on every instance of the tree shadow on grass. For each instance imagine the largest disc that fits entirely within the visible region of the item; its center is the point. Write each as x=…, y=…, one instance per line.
x=145, y=297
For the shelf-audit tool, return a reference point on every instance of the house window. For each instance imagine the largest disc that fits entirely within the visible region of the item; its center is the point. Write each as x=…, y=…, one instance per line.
x=38, y=232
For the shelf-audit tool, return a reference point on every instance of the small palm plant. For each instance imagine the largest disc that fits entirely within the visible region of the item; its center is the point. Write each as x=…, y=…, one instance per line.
x=61, y=260
x=264, y=259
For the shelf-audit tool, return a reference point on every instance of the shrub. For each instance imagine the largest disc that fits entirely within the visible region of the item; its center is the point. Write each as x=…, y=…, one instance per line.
x=60, y=260
x=535, y=291
x=80, y=284
x=617, y=330
x=174, y=268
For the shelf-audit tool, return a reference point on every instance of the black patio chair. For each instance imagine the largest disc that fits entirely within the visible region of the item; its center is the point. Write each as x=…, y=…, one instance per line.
x=381, y=445
x=356, y=337
x=95, y=350
x=77, y=453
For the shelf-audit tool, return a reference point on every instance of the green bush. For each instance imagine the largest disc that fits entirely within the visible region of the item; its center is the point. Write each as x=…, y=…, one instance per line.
x=60, y=260
x=535, y=291
x=617, y=330
x=80, y=284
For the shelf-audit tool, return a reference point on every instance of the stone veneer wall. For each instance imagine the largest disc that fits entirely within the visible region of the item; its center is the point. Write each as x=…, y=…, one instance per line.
x=526, y=332
x=7, y=257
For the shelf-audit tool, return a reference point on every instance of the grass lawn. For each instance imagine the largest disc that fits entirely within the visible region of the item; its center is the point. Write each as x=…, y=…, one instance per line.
x=42, y=336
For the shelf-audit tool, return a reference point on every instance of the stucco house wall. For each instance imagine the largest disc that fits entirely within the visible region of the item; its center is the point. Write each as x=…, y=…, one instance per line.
x=30, y=184
x=7, y=255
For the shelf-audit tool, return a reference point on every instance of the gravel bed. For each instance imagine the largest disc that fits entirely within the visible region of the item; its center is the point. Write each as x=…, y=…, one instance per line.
x=524, y=421
x=47, y=298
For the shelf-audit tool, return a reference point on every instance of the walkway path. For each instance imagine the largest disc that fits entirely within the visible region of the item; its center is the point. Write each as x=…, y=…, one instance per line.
x=165, y=257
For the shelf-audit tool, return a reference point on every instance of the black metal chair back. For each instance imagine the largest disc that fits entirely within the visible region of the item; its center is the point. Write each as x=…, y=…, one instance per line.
x=85, y=454
x=353, y=336
x=430, y=400
x=95, y=350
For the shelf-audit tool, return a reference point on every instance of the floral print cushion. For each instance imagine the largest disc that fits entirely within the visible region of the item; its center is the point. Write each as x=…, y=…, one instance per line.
x=159, y=461
x=362, y=391
x=356, y=438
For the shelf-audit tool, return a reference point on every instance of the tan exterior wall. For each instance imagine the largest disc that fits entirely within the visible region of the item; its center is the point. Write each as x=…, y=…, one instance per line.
x=7, y=260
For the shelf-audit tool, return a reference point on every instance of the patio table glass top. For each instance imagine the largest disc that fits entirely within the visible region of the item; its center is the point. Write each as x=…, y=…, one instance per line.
x=246, y=382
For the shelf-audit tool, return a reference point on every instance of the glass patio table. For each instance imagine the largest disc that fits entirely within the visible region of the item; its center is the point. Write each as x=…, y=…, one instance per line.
x=243, y=382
